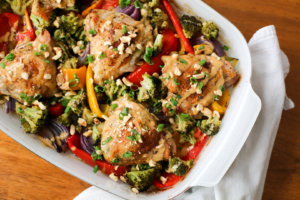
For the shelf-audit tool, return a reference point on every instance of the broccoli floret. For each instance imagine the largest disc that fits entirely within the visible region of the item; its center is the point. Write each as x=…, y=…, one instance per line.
x=190, y=25
x=157, y=46
x=112, y=90
x=19, y=6
x=159, y=18
x=4, y=6
x=69, y=22
x=210, y=126
x=178, y=166
x=32, y=118
x=88, y=116
x=39, y=22
x=70, y=63
x=184, y=122
x=152, y=89
x=73, y=109
x=143, y=179
x=210, y=30
x=97, y=129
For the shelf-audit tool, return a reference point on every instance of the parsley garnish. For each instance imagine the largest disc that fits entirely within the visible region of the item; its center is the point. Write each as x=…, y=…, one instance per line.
x=92, y=32
x=181, y=60
x=116, y=160
x=175, y=80
x=148, y=54
x=127, y=154
x=113, y=106
x=90, y=58
x=37, y=53
x=202, y=62
x=201, y=47
x=221, y=87
x=160, y=127
x=226, y=48
x=174, y=101
x=102, y=55
x=193, y=80
x=43, y=47
x=96, y=168
x=47, y=61
x=200, y=85
x=124, y=112
x=124, y=29
x=206, y=74
x=2, y=65
x=10, y=57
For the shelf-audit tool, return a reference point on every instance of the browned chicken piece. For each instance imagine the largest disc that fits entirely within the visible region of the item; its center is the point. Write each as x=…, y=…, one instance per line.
x=29, y=69
x=43, y=8
x=197, y=79
x=130, y=136
x=116, y=42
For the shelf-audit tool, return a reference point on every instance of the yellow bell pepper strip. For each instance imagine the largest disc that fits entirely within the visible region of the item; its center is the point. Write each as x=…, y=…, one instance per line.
x=217, y=107
x=93, y=6
x=75, y=77
x=221, y=104
x=92, y=99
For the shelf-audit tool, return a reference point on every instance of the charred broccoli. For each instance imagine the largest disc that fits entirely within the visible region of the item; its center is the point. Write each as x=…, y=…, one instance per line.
x=210, y=30
x=4, y=6
x=143, y=179
x=73, y=109
x=190, y=25
x=151, y=89
x=32, y=117
x=39, y=22
x=184, y=122
x=19, y=6
x=159, y=18
x=210, y=126
x=114, y=90
x=178, y=166
x=88, y=116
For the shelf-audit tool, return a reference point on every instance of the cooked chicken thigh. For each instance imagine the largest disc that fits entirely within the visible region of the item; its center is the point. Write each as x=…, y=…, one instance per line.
x=116, y=42
x=130, y=136
x=197, y=79
x=29, y=69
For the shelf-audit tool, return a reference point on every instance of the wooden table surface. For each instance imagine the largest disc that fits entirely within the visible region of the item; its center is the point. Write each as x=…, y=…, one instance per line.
x=23, y=175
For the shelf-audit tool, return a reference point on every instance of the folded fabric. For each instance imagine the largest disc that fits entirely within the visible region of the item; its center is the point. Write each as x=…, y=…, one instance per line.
x=245, y=178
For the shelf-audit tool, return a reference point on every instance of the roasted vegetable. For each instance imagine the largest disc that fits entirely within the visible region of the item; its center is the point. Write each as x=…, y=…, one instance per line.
x=114, y=90
x=178, y=166
x=4, y=6
x=184, y=122
x=97, y=129
x=73, y=109
x=142, y=180
x=190, y=25
x=159, y=18
x=210, y=126
x=88, y=116
x=151, y=89
x=19, y=6
x=32, y=117
x=39, y=22
x=210, y=30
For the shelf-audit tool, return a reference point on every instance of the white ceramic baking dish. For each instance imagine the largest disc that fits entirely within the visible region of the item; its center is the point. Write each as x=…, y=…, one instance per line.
x=213, y=161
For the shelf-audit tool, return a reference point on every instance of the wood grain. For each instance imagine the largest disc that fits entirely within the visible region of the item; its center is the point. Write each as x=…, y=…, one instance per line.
x=23, y=175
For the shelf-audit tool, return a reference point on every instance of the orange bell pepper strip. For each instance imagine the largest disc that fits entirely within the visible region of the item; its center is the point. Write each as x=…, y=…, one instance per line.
x=93, y=6
x=92, y=99
x=173, y=17
x=75, y=77
x=29, y=34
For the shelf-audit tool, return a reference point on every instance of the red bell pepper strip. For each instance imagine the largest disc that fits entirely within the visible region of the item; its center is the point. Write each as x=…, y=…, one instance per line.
x=74, y=146
x=170, y=43
x=198, y=146
x=12, y=18
x=56, y=110
x=7, y=21
x=172, y=179
x=109, y=4
x=29, y=34
x=186, y=43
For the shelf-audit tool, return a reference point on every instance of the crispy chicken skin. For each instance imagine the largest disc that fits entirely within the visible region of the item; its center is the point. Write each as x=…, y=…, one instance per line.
x=184, y=74
x=135, y=133
x=29, y=73
x=116, y=42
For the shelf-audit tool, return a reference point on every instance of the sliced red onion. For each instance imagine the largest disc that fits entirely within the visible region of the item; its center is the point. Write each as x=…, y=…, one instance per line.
x=218, y=48
x=130, y=10
x=10, y=105
x=57, y=134
x=86, y=144
x=85, y=53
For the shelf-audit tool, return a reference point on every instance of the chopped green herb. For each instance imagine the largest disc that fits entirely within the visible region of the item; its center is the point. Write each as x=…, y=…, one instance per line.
x=125, y=111
x=193, y=80
x=161, y=66
x=226, y=48
x=148, y=54
x=99, y=88
x=160, y=127
x=130, y=137
x=2, y=65
x=198, y=124
x=137, y=4
x=215, y=97
x=37, y=53
x=47, y=61
x=124, y=29
x=134, y=131
x=185, y=116
x=102, y=55
x=43, y=47
x=90, y=58
x=19, y=110
x=30, y=44
x=28, y=99
x=202, y=62
x=107, y=140
x=127, y=154
x=106, y=81
x=181, y=60
x=96, y=156
x=96, y=168
x=200, y=86
x=82, y=46
x=221, y=87
x=175, y=81
x=115, y=49
x=206, y=74
x=116, y=160
x=74, y=82
x=201, y=47
x=124, y=3
x=113, y=106
x=174, y=101
x=92, y=32
x=10, y=57
x=177, y=96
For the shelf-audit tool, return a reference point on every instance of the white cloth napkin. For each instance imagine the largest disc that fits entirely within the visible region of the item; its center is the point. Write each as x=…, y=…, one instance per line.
x=246, y=177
